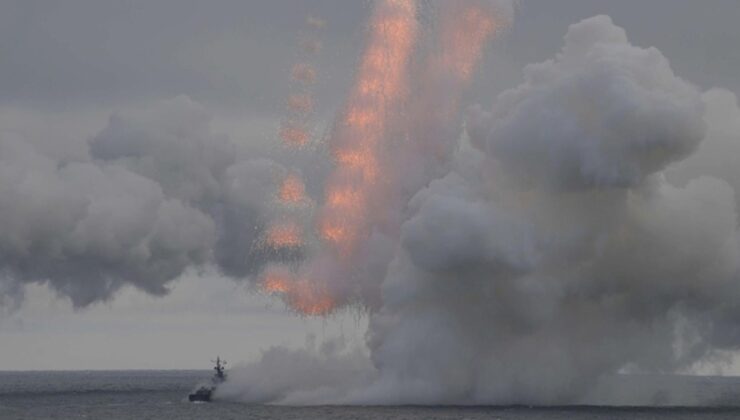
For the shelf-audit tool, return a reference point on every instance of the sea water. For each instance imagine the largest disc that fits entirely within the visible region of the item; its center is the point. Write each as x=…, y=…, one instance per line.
x=163, y=395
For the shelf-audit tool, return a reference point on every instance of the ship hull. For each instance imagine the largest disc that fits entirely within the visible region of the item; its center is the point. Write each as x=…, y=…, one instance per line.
x=203, y=395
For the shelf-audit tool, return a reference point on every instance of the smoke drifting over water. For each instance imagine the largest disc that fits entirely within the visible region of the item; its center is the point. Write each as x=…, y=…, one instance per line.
x=576, y=229
x=553, y=253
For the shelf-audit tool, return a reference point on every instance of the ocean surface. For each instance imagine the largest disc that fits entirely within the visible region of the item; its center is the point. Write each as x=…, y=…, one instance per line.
x=162, y=395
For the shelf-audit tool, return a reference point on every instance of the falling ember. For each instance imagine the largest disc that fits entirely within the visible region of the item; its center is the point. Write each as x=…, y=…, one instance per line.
x=276, y=281
x=464, y=33
x=300, y=294
x=292, y=190
x=293, y=135
x=338, y=231
x=344, y=198
x=311, y=299
x=303, y=73
x=378, y=89
x=465, y=28
x=359, y=160
x=284, y=235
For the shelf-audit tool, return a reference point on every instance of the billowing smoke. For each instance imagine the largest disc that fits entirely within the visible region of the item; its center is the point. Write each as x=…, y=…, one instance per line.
x=328, y=373
x=554, y=253
x=717, y=154
x=584, y=225
x=157, y=193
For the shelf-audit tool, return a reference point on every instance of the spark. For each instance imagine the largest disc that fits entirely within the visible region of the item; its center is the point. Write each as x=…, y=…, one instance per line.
x=284, y=235
x=292, y=190
x=303, y=295
x=464, y=33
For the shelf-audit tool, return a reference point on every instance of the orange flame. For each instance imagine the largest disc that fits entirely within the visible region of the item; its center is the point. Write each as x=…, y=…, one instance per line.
x=464, y=34
x=465, y=28
x=379, y=86
x=300, y=294
x=292, y=190
x=284, y=235
x=308, y=300
x=344, y=198
x=276, y=281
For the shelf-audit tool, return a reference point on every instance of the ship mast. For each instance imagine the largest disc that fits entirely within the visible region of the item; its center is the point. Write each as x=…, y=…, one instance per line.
x=219, y=368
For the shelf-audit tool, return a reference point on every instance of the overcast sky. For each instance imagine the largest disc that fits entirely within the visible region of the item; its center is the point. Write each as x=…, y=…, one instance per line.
x=66, y=66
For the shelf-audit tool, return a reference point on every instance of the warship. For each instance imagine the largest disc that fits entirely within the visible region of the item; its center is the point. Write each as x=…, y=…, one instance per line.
x=204, y=392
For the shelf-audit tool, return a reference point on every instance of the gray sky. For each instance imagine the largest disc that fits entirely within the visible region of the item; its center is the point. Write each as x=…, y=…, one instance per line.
x=65, y=66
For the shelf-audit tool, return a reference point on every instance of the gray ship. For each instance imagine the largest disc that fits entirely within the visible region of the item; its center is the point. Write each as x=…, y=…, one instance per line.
x=204, y=392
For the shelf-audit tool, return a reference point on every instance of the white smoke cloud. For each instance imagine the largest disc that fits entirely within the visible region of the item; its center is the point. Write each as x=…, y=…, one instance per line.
x=586, y=291
x=87, y=229
x=157, y=193
x=556, y=253
x=170, y=142
x=453, y=229
x=602, y=113
x=315, y=374
x=717, y=154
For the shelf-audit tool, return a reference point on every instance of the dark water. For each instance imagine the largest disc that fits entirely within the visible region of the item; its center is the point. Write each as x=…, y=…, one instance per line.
x=160, y=395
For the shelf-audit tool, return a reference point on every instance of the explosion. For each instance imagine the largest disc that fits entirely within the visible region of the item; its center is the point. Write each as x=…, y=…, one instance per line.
x=300, y=294
x=515, y=254
x=358, y=140
x=465, y=30
x=362, y=194
x=549, y=226
x=276, y=280
x=304, y=296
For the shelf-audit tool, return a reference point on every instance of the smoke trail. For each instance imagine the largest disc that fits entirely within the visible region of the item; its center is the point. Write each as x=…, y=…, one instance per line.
x=357, y=144
x=465, y=28
x=287, y=232
x=358, y=200
x=322, y=282
x=463, y=31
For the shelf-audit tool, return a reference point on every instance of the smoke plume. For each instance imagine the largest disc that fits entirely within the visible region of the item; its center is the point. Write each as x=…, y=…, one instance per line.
x=157, y=192
x=582, y=226
x=555, y=253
